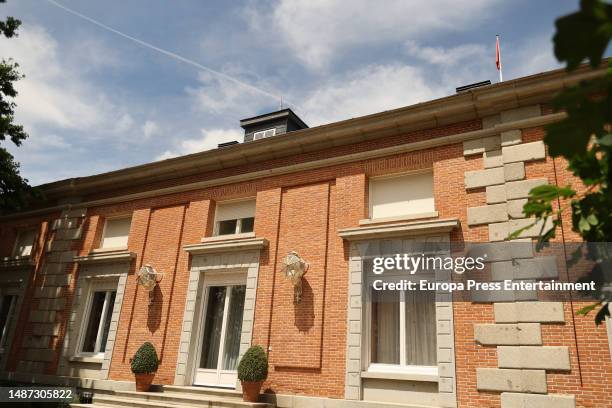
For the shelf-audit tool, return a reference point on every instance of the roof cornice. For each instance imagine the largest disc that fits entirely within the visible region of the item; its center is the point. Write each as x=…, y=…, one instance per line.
x=472, y=104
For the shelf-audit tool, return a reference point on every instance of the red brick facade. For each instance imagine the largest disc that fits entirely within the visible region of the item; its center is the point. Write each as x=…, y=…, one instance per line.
x=303, y=211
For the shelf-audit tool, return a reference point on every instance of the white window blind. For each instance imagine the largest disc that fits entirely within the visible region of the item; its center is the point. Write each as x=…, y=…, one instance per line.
x=401, y=195
x=235, y=210
x=116, y=231
x=264, y=133
x=25, y=242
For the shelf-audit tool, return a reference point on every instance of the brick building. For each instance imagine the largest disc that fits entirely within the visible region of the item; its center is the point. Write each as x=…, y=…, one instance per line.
x=217, y=225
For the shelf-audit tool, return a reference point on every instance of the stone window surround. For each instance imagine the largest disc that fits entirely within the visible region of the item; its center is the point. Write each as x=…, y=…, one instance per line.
x=95, y=269
x=16, y=280
x=437, y=230
x=217, y=256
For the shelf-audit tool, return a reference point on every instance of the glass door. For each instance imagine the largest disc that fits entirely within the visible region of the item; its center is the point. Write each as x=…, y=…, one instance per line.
x=221, y=330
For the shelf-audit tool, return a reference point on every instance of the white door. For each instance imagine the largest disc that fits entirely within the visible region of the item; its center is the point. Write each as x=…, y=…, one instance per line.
x=220, y=331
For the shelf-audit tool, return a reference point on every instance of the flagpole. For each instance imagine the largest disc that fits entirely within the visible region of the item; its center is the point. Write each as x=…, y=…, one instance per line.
x=501, y=76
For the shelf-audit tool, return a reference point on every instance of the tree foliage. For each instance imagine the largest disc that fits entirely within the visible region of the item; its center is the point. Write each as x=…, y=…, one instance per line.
x=253, y=365
x=584, y=139
x=15, y=193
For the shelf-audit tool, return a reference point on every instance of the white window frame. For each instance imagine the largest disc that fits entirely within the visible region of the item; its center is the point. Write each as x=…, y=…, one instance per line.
x=102, y=286
x=263, y=134
x=238, y=230
x=402, y=367
x=398, y=175
x=106, y=220
x=9, y=318
x=18, y=237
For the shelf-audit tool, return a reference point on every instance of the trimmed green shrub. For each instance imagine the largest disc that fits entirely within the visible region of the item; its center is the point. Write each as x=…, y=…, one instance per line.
x=253, y=365
x=145, y=361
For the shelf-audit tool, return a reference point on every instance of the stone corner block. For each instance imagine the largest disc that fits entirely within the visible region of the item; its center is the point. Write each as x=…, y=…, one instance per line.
x=487, y=214
x=492, y=158
x=534, y=357
x=523, y=112
x=477, y=146
x=524, y=152
x=529, y=312
x=514, y=400
x=514, y=171
x=511, y=137
x=482, y=178
x=499, y=379
x=520, y=189
x=508, y=334
x=496, y=194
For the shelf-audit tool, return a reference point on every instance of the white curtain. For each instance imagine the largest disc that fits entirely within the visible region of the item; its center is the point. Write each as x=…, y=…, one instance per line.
x=385, y=328
x=231, y=348
x=420, y=312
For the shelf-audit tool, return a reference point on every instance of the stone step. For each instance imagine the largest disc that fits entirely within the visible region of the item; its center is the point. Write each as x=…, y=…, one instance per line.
x=198, y=390
x=134, y=399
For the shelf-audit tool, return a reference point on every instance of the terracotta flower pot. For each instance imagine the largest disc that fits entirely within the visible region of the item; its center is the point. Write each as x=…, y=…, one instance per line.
x=143, y=381
x=250, y=390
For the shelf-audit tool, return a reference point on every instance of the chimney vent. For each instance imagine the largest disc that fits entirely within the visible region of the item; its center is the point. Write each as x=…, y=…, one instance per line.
x=472, y=86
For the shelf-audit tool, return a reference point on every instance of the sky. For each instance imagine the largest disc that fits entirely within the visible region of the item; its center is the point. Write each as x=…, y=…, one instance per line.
x=97, y=99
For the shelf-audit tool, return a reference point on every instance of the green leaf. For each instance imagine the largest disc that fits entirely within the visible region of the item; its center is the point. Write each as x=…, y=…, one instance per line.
x=587, y=309
x=583, y=34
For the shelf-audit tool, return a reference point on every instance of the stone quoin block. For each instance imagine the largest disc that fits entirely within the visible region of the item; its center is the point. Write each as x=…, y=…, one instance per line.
x=524, y=112
x=499, y=379
x=511, y=137
x=515, y=208
x=524, y=152
x=547, y=358
x=517, y=400
x=544, y=267
x=520, y=189
x=533, y=228
x=514, y=171
x=508, y=334
x=482, y=178
x=496, y=194
x=482, y=145
x=487, y=214
x=498, y=231
x=492, y=158
x=529, y=312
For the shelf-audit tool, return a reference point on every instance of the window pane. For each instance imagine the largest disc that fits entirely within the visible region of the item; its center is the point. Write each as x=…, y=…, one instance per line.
x=25, y=242
x=95, y=316
x=5, y=317
x=421, y=328
x=231, y=347
x=212, y=327
x=402, y=195
x=227, y=227
x=385, y=336
x=116, y=233
x=107, y=320
x=246, y=224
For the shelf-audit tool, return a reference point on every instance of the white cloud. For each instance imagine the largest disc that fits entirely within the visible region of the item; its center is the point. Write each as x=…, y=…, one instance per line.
x=445, y=56
x=209, y=140
x=54, y=91
x=369, y=90
x=317, y=30
x=150, y=128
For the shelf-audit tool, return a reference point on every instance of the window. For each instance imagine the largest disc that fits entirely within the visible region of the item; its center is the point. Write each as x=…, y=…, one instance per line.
x=402, y=329
x=98, y=318
x=235, y=217
x=116, y=231
x=264, y=133
x=24, y=243
x=403, y=195
x=7, y=309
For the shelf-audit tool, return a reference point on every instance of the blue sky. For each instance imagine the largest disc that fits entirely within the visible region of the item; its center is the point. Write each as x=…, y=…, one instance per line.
x=93, y=101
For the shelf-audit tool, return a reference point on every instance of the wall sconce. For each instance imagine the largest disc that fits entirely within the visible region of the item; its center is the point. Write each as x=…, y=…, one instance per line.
x=148, y=279
x=295, y=267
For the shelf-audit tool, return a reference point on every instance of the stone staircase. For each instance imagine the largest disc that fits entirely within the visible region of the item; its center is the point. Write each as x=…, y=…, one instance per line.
x=173, y=396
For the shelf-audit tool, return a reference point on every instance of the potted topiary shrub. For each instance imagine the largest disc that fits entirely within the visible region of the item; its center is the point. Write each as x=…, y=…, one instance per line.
x=252, y=371
x=144, y=366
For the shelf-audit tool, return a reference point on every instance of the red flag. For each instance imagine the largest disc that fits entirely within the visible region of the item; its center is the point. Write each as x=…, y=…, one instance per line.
x=497, y=54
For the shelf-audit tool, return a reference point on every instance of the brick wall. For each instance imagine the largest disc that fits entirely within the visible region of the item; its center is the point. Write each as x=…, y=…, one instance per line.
x=302, y=212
